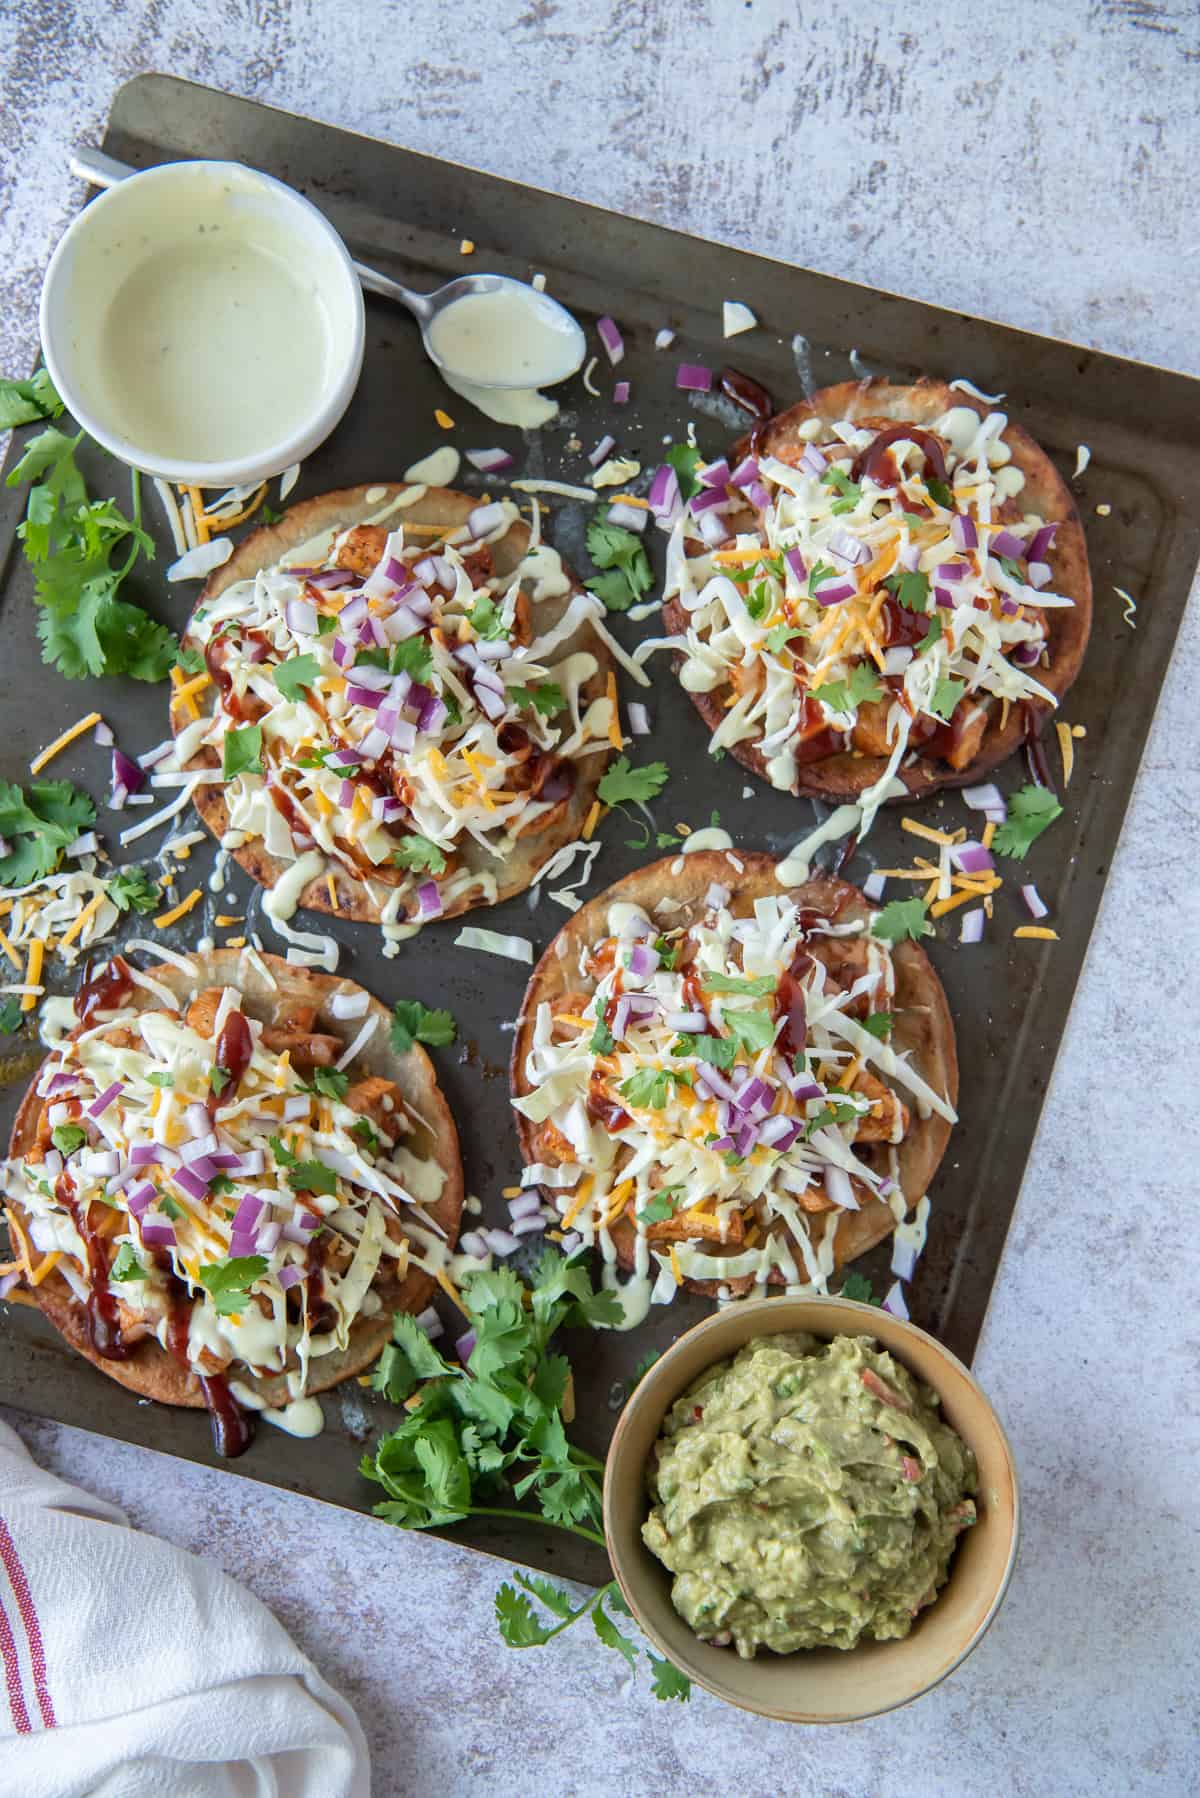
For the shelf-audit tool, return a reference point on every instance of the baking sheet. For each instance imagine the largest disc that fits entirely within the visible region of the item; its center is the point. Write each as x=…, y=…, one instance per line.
x=406, y=215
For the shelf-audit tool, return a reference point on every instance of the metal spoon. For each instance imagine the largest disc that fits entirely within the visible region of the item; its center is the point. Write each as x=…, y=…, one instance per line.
x=105, y=171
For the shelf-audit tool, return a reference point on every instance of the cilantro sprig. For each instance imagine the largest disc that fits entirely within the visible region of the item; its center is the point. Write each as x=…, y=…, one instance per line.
x=131, y=889
x=228, y=1283
x=71, y=542
x=1030, y=811
x=413, y=1022
x=25, y=402
x=622, y=555
x=622, y=782
x=859, y=688
x=902, y=918
x=420, y=855
x=489, y=1440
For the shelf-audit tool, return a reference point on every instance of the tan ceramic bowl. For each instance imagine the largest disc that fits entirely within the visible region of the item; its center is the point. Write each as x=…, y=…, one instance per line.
x=826, y=1685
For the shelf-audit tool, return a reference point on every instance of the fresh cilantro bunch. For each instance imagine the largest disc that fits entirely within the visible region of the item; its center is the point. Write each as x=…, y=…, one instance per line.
x=622, y=555
x=71, y=541
x=480, y=1439
x=37, y=824
x=25, y=402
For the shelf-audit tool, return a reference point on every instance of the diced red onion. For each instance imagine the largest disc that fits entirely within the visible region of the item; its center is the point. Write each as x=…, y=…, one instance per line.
x=803, y=1086
x=620, y=1023
x=758, y=496
x=639, y=718
x=848, y=548
x=159, y=1235
x=374, y=744
x=353, y=612
x=693, y=377
x=267, y=1239
x=248, y=1212
x=500, y=1242
x=1008, y=606
x=643, y=960
x=429, y=1323
x=715, y=1083
x=377, y=679
x=838, y=1188
x=708, y=499
x=971, y=927
x=87, y=844
x=1005, y=543
x=813, y=461
x=685, y=1020
x=610, y=336
x=241, y=1242
x=963, y=532
x=754, y=1095
x=795, y=562
x=745, y=473
x=346, y=794
x=465, y=1345
x=630, y=518
x=387, y=718
x=299, y=1229
x=301, y=616
x=103, y=737
x=126, y=774
x=291, y=1275
x=779, y=1132
x=191, y=1183
x=1039, y=574
x=429, y=900
x=904, y=1258
x=490, y=702
x=664, y=339
x=951, y=571
x=528, y=1226
x=99, y=1106
x=722, y=1145
x=343, y=652
x=893, y=1301
x=984, y=799
x=717, y=473
x=897, y=658
x=972, y=858
x=621, y=393
x=713, y=528
x=8, y=1281
x=329, y=579
x=197, y=1120
x=488, y=461
x=716, y=896
x=1033, y=899
x=944, y=598
x=831, y=593
x=1040, y=542
x=873, y=886
x=1027, y=654
x=602, y=449
x=664, y=493
x=471, y=1243
x=526, y=1204
x=141, y=1198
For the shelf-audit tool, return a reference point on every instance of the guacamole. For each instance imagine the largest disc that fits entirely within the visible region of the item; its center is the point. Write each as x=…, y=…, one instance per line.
x=806, y=1494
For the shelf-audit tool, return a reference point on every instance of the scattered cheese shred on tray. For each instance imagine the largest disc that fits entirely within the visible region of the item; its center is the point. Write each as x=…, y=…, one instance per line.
x=60, y=743
x=515, y=948
x=444, y=419
x=180, y=910
x=1037, y=930
x=1066, y=744
x=33, y=973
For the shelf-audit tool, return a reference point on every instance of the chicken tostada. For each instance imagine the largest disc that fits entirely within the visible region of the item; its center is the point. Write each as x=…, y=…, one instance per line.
x=885, y=595
x=401, y=708
x=725, y=1084
x=224, y=1181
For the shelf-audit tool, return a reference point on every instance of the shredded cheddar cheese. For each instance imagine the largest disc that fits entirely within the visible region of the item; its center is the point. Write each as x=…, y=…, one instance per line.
x=60, y=743
x=1037, y=930
x=178, y=911
x=33, y=972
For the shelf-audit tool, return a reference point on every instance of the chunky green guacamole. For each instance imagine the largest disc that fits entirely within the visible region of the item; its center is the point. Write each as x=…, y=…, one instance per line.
x=806, y=1494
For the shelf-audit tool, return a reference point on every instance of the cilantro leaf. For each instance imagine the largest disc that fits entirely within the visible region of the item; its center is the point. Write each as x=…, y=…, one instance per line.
x=161, y=1079
x=719, y=1050
x=519, y=1625
x=1030, y=812
x=857, y=1286
x=835, y=476
x=25, y=402
x=902, y=918
x=623, y=554
x=38, y=825
x=68, y=1137
x=661, y=1206
x=611, y=1636
x=283, y=1155
x=911, y=589
x=421, y=855
x=191, y=658
x=649, y=1088
x=485, y=620
x=668, y=1681
x=932, y=635
x=753, y=1029
x=414, y=656
x=939, y=492
x=413, y=1022
x=269, y=515
x=759, y=602
x=407, y=1359
x=946, y=696
x=780, y=635
x=10, y=1017
x=127, y=1266
x=243, y=751
x=169, y=1208
x=601, y=1041
x=643, y=1367
x=820, y=571
x=738, y=983
x=228, y=1283
x=329, y=1083
x=312, y=1176
x=131, y=889
x=548, y=698
x=847, y=695
x=218, y=1079
x=879, y=1024
x=292, y=676
x=621, y=782
x=364, y=1134
x=667, y=952
x=685, y=459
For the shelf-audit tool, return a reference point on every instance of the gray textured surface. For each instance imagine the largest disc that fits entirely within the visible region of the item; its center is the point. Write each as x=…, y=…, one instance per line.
x=1029, y=163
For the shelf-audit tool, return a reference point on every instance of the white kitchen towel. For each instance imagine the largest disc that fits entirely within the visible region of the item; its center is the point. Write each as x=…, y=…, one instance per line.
x=131, y=1669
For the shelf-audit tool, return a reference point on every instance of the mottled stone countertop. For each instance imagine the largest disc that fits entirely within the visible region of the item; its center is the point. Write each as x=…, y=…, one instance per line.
x=1030, y=163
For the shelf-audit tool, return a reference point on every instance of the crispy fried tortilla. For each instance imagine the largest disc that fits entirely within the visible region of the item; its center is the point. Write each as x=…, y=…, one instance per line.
x=845, y=776
x=922, y=1026
x=315, y=523
x=153, y=1371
